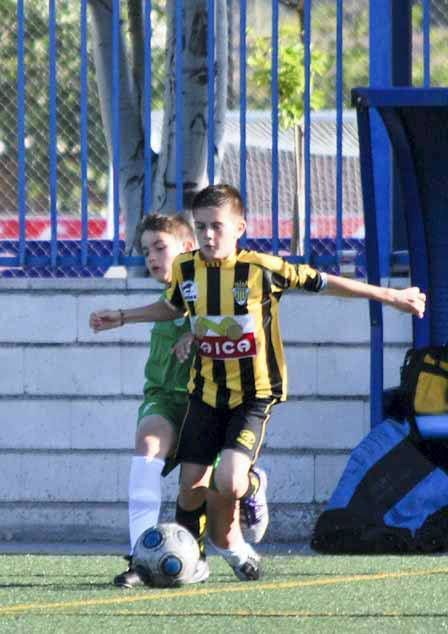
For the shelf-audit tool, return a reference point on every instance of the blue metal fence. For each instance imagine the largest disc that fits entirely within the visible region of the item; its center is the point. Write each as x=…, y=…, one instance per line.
x=19, y=255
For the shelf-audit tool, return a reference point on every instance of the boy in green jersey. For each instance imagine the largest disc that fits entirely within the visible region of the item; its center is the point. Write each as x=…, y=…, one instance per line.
x=161, y=239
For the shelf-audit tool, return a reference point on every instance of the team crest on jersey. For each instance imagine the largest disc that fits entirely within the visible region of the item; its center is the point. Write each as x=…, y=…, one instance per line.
x=189, y=291
x=241, y=293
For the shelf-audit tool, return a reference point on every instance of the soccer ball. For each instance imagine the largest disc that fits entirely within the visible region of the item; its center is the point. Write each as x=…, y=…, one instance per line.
x=166, y=555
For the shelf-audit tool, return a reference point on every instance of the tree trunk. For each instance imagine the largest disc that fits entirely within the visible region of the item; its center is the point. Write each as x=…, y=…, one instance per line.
x=131, y=132
x=298, y=218
x=195, y=110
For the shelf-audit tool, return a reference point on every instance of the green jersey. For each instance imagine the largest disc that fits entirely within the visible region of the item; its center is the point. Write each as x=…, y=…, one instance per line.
x=163, y=371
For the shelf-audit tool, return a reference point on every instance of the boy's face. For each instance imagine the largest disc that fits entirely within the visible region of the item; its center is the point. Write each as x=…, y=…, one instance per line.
x=159, y=250
x=218, y=230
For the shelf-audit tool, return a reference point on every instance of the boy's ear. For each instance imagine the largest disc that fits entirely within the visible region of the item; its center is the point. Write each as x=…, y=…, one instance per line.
x=188, y=245
x=241, y=227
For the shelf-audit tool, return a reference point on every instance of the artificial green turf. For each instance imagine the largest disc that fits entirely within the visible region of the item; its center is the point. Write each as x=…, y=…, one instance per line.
x=306, y=594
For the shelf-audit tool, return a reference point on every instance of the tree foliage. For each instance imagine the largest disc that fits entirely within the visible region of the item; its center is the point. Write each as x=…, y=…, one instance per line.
x=291, y=86
x=38, y=103
x=291, y=77
x=68, y=107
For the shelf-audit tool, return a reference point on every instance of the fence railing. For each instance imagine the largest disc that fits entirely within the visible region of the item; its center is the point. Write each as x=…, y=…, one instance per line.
x=63, y=210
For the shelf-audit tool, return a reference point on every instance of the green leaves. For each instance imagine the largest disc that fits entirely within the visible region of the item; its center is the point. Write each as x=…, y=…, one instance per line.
x=291, y=79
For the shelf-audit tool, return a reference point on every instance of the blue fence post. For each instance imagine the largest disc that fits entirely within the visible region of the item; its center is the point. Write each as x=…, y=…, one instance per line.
x=401, y=69
x=21, y=104
x=243, y=108
x=116, y=52
x=275, y=99
x=53, y=130
x=179, y=105
x=243, y=98
x=307, y=126
x=84, y=142
x=381, y=76
x=339, y=124
x=211, y=91
x=427, y=43
x=147, y=95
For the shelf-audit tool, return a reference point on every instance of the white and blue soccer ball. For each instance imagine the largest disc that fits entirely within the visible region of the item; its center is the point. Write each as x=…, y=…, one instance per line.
x=166, y=555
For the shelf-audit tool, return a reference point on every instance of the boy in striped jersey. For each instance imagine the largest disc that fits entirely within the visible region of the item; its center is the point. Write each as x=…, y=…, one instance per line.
x=232, y=298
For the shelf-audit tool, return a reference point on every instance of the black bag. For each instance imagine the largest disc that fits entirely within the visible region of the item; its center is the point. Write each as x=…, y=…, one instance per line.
x=391, y=498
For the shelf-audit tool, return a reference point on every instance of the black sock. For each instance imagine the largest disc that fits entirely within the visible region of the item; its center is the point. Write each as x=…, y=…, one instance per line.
x=196, y=522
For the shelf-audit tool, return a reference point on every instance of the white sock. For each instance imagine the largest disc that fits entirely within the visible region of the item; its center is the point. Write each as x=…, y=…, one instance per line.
x=238, y=554
x=145, y=495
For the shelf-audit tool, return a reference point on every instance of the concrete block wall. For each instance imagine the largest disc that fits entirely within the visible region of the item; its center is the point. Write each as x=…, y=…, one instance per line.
x=68, y=403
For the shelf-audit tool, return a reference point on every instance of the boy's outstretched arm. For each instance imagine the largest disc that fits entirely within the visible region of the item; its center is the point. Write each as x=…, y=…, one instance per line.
x=108, y=319
x=409, y=300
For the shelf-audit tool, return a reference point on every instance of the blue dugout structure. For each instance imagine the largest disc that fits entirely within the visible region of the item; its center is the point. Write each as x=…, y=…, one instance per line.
x=416, y=120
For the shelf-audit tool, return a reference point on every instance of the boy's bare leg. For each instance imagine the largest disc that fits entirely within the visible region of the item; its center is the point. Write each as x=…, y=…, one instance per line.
x=232, y=473
x=155, y=438
x=223, y=524
x=194, y=482
x=231, y=480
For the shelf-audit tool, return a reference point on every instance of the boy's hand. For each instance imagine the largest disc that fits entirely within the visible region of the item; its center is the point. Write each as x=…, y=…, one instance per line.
x=410, y=300
x=105, y=320
x=182, y=347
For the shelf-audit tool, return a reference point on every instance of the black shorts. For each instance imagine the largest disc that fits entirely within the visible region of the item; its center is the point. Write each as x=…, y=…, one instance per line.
x=207, y=430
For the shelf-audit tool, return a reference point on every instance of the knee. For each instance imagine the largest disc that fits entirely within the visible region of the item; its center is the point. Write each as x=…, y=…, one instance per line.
x=229, y=484
x=194, y=477
x=147, y=446
x=191, y=497
x=155, y=438
x=193, y=485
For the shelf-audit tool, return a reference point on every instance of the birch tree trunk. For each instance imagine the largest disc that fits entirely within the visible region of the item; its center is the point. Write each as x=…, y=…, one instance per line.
x=131, y=132
x=195, y=103
x=195, y=108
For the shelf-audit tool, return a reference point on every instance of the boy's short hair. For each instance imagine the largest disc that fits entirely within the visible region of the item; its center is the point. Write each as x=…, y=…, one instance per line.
x=219, y=196
x=176, y=225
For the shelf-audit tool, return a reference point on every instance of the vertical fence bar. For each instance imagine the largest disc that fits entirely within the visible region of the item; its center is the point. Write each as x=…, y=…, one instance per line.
x=179, y=103
x=22, y=197
x=147, y=91
x=307, y=131
x=116, y=40
x=399, y=68
x=380, y=62
x=211, y=91
x=243, y=109
x=339, y=122
x=84, y=142
x=274, y=92
x=427, y=43
x=243, y=100
x=53, y=142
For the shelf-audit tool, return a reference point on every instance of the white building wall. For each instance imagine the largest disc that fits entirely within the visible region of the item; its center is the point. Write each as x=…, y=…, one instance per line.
x=68, y=403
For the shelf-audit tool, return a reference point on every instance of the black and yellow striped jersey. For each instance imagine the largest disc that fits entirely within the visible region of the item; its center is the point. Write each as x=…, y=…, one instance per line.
x=233, y=306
